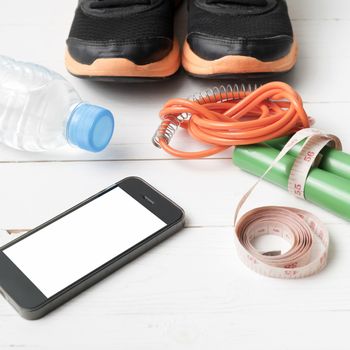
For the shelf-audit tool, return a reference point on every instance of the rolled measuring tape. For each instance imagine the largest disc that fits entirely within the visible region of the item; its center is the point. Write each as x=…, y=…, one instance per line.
x=301, y=228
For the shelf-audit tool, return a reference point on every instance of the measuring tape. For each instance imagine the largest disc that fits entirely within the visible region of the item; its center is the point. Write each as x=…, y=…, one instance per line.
x=298, y=227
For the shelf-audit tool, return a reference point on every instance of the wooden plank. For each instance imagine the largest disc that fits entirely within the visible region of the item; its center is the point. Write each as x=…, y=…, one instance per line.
x=243, y=330
x=208, y=190
x=132, y=139
x=192, y=292
x=316, y=9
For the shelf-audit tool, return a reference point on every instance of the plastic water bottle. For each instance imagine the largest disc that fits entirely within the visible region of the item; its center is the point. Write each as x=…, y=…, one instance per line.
x=40, y=110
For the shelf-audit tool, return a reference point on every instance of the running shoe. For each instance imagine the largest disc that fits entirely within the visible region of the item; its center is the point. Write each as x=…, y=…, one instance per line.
x=228, y=38
x=123, y=40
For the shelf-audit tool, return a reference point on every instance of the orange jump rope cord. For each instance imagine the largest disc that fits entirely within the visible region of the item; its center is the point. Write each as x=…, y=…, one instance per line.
x=273, y=110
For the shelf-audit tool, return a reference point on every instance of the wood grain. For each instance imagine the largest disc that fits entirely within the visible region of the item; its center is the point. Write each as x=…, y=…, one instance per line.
x=190, y=292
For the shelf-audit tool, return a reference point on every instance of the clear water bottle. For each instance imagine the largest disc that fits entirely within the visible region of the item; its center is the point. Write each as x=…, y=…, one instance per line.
x=40, y=110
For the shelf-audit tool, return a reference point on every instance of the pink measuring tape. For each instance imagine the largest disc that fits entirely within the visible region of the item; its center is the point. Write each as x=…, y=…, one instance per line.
x=298, y=227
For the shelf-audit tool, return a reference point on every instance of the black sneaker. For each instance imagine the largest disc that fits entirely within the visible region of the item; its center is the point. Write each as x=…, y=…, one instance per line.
x=123, y=39
x=233, y=37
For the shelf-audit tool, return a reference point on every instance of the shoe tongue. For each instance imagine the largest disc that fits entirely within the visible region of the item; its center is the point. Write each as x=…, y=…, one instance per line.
x=99, y=4
x=239, y=2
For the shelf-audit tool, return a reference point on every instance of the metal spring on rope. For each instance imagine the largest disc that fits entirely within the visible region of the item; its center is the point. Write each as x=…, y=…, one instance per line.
x=218, y=94
x=168, y=128
x=224, y=93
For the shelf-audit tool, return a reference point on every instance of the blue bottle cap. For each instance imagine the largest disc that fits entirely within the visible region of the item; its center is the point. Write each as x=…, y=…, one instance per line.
x=90, y=127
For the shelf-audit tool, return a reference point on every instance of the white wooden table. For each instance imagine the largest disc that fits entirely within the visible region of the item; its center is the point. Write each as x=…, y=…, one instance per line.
x=191, y=292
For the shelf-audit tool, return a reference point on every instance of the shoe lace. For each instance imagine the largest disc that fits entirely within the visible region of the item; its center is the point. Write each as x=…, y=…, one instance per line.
x=239, y=2
x=102, y=4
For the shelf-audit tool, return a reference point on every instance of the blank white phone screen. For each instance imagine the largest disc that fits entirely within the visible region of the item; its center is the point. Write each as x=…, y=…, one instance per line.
x=73, y=246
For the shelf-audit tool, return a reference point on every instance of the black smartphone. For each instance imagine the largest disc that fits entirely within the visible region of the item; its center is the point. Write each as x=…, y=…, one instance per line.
x=60, y=258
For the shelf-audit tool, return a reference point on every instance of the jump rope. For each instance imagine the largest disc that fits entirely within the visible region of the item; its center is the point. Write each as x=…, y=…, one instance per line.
x=249, y=115
x=230, y=116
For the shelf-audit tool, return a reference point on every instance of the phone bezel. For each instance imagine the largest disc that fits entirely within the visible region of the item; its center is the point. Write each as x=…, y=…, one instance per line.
x=27, y=298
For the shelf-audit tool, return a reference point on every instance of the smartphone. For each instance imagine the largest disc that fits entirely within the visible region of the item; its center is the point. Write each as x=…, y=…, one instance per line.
x=62, y=257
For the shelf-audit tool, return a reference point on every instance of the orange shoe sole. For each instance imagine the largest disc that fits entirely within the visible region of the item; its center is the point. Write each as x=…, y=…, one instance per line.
x=124, y=69
x=236, y=65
